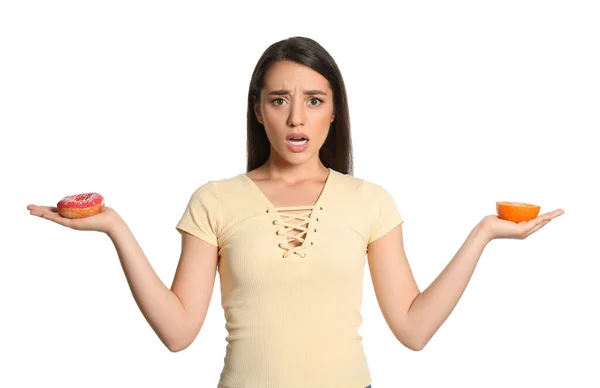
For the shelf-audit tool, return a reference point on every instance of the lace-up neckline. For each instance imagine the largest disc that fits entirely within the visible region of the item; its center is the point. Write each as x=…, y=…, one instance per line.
x=305, y=225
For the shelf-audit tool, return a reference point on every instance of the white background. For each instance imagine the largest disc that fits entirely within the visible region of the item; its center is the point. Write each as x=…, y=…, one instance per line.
x=454, y=105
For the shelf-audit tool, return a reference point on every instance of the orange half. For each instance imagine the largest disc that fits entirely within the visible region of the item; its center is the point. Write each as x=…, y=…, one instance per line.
x=516, y=211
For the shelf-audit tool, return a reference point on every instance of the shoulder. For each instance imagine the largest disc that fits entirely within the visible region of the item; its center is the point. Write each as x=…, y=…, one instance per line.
x=364, y=187
x=233, y=196
x=346, y=180
x=219, y=186
x=374, y=190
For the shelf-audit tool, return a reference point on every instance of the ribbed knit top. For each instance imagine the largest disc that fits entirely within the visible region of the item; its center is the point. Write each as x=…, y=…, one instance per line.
x=292, y=279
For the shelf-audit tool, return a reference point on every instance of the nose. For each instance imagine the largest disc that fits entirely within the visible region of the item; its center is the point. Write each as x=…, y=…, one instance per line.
x=296, y=116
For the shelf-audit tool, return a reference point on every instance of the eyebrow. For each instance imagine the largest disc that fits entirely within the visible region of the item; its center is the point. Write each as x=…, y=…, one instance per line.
x=284, y=92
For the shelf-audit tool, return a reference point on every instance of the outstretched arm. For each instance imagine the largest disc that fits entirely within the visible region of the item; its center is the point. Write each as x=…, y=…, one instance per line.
x=177, y=314
x=414, y=316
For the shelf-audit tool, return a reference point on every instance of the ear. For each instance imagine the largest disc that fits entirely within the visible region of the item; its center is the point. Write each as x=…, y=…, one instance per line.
x=256, y=107
x=332, y=117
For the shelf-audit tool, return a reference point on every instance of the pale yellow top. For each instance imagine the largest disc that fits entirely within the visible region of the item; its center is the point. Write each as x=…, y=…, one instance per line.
x=292, y=314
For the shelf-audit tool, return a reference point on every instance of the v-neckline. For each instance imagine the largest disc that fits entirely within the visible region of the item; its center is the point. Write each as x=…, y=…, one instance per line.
x=295, y=207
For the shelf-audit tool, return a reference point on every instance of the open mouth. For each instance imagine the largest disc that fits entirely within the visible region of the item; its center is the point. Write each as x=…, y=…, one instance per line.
x=297, y=141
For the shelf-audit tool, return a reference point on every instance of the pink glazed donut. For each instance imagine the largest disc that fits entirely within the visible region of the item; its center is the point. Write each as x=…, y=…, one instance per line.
x=80, y=205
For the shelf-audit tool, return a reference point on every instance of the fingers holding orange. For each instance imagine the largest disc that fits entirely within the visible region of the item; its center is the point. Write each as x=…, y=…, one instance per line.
x=538, y=226
x=523, y=212
x=520, y=219
x=553, y=214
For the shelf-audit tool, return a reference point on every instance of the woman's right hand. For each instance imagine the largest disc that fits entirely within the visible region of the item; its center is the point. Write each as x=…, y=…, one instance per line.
x=101, y=222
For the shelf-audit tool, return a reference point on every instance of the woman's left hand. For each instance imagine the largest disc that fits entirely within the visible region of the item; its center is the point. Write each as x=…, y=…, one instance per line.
x=497, y=228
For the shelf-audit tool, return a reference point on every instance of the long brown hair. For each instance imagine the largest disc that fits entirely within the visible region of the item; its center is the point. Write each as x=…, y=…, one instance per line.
x=336, y=152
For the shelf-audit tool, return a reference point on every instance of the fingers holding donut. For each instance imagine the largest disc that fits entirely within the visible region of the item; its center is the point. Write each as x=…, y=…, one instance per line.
x=80, y=212
x=49, y=213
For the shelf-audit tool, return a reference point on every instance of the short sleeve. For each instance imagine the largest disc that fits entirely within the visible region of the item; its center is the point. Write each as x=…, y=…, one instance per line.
x=383, y=213
x=202, y=216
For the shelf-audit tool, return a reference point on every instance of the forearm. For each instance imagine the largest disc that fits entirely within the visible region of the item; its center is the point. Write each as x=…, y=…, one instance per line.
x=432, y=307
x=159, y=305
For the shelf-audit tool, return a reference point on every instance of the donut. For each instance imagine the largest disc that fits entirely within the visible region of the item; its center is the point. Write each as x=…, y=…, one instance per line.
x=80, y=205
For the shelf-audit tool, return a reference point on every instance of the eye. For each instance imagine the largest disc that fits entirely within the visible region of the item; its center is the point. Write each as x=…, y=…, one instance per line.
x=318, y=101
x=275, y=101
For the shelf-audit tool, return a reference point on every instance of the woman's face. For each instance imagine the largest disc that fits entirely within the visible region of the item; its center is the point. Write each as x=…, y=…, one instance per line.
x=296, y=109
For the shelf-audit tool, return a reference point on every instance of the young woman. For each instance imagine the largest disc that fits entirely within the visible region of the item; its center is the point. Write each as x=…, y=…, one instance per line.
x=289, y=239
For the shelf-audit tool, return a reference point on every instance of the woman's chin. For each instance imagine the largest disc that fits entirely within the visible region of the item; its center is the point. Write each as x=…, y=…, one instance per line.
x=295, y=158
